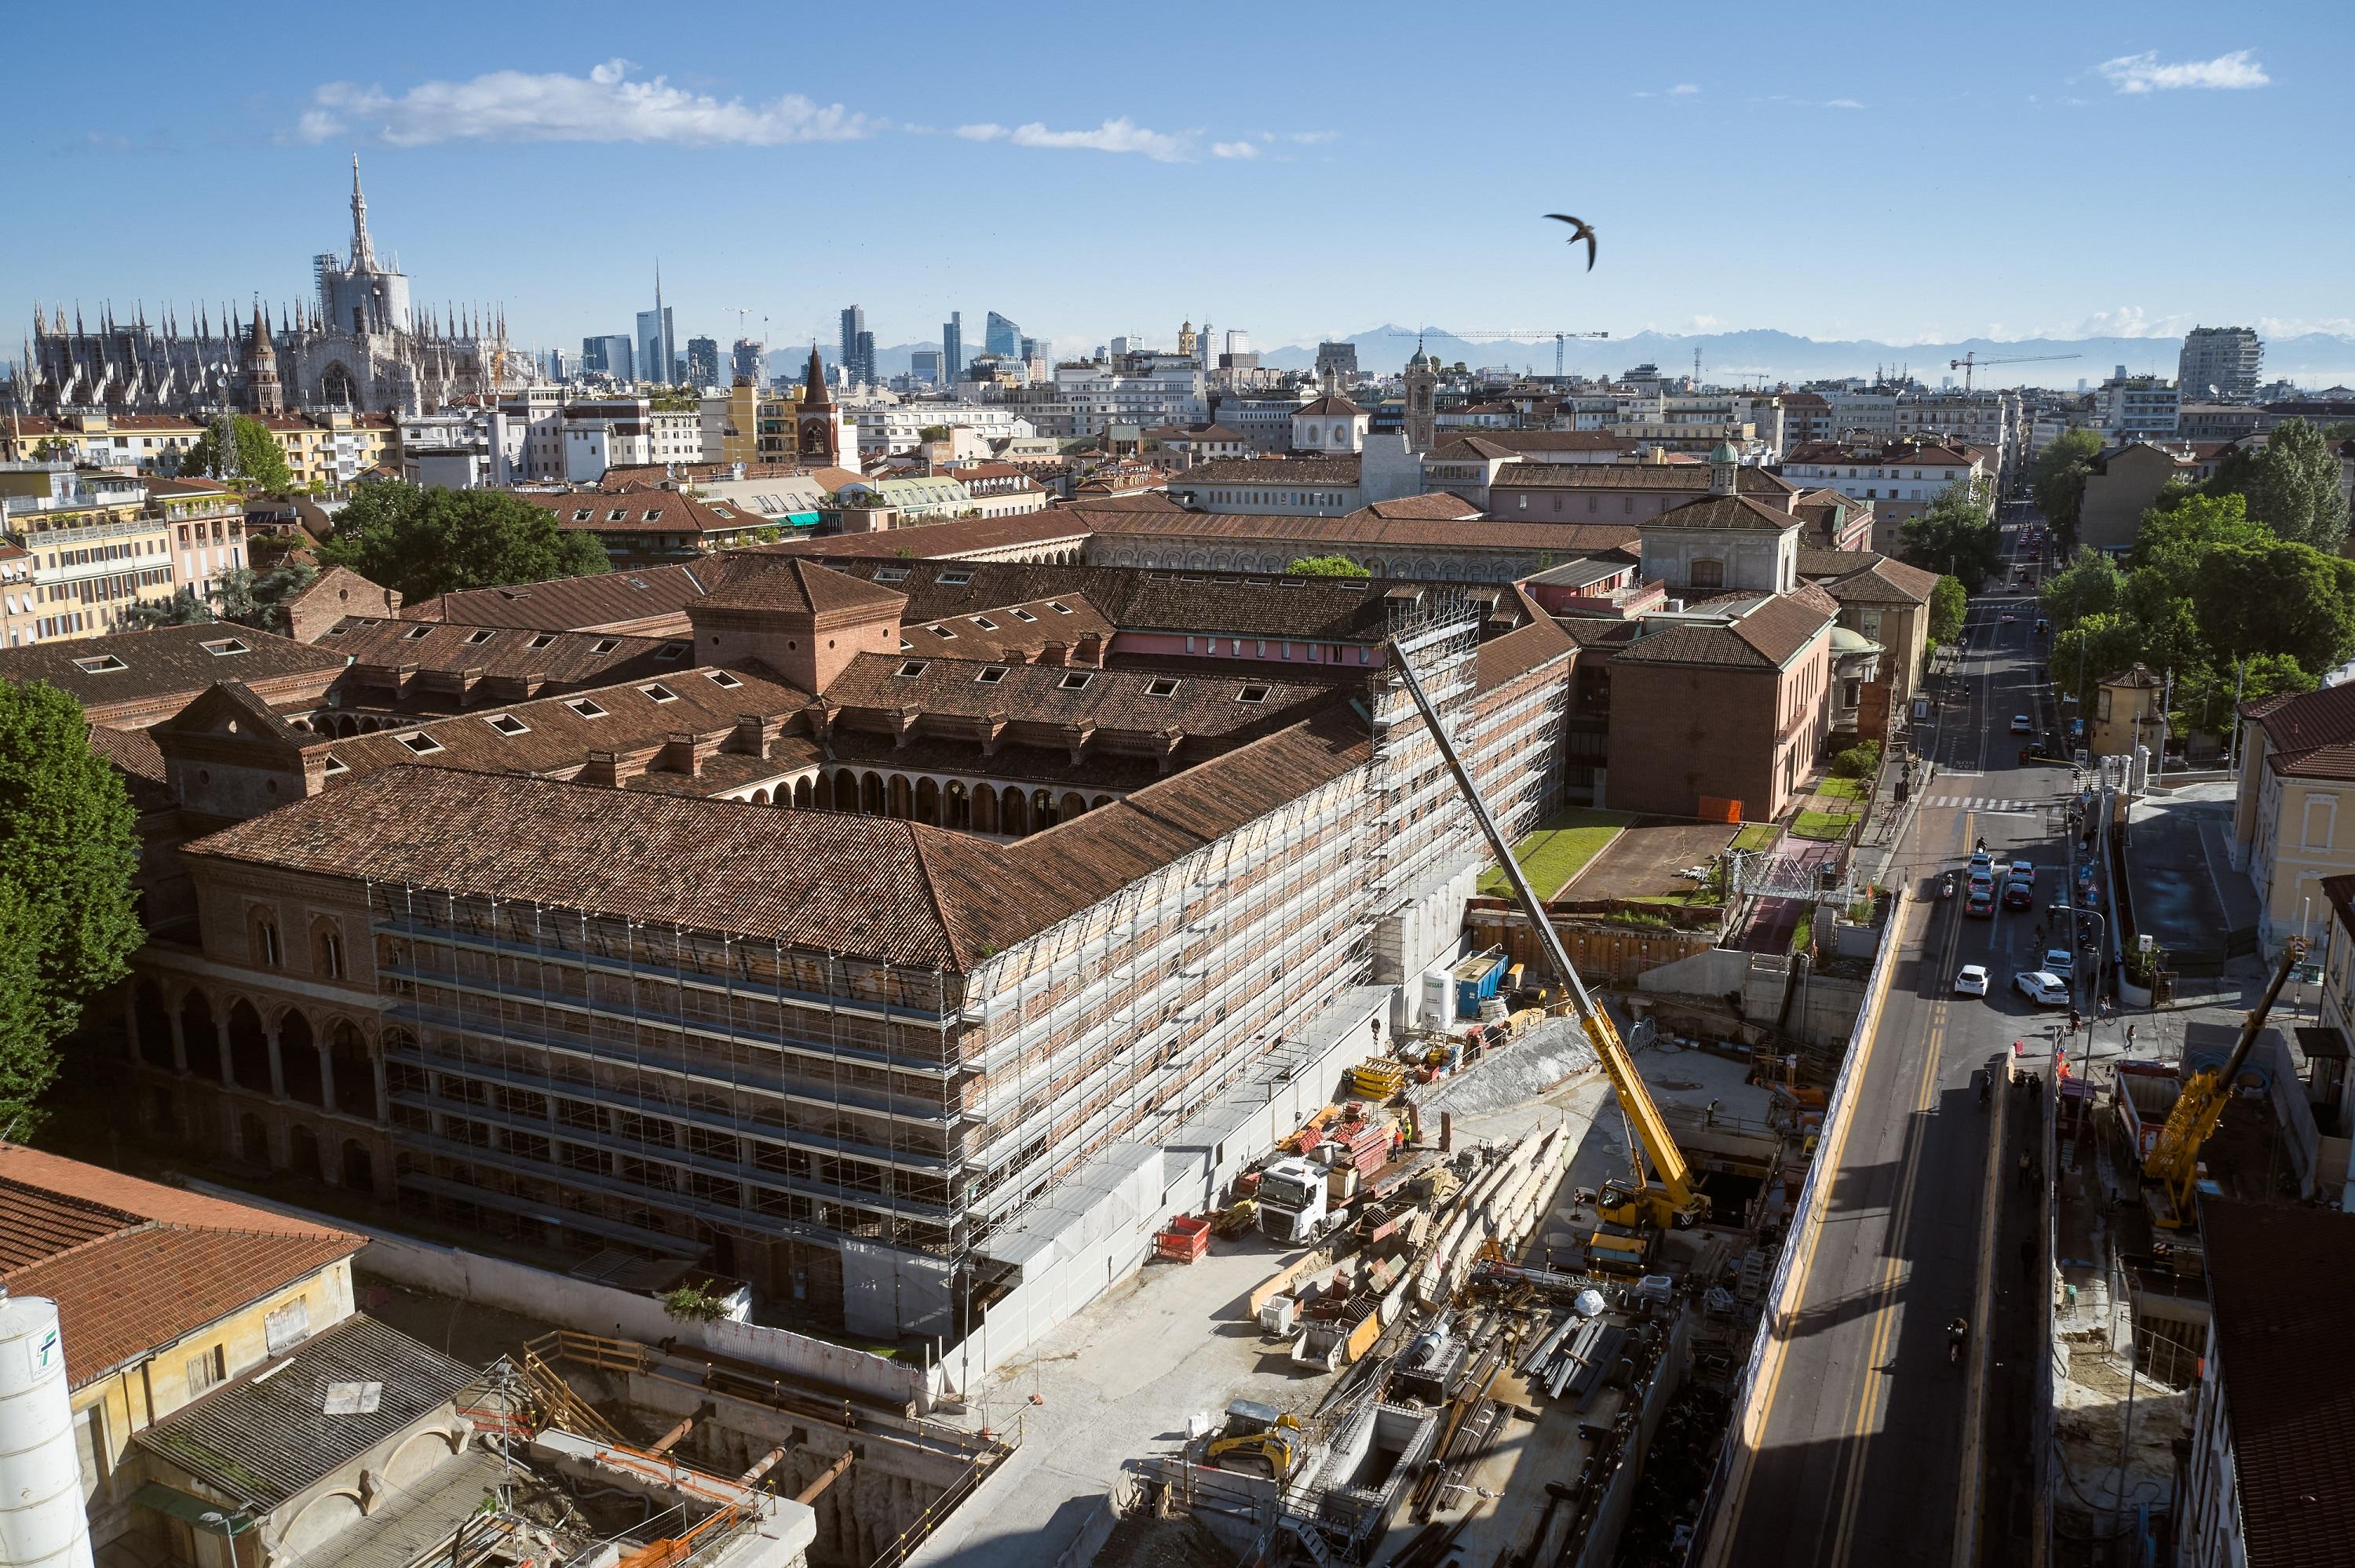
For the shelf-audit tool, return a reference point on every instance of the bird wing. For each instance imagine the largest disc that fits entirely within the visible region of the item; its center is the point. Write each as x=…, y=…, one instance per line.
x=1565, y=217
x=1589, y=235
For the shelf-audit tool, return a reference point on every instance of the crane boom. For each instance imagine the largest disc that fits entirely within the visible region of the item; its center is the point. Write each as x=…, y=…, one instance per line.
x=2175, y=1159
x=1971, y=361
x=1673, y=1201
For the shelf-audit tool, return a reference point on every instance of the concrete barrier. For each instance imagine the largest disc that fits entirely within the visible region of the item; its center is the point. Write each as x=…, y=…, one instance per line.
x=592, y=1308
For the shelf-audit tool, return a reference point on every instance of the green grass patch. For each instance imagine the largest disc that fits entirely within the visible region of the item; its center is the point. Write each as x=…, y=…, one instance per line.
x=1824, y=824
x=1756, y=836
x=1842, y=788
x=1559, y=850
x=1804, y=937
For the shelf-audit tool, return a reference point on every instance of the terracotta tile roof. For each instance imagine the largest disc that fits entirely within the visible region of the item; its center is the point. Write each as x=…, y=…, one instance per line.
x=133, y=1265
x=1143, y=701
x=1517, y=652
x=1330, y=405
x=130, y=669
x=796, y=585
x=1432, y=506
x=868, y=886
x=1685, y=478
x=1932, y=454
x=1019, y=630
x=580, y=604
x=541, y=658
x=1693, y=644
x=1866, y=577
x=133, y=754
x=948, y=540
x=181, y=487
x=1531, y=443
x=1473, y=449
x=641, y=511
x=1366, y=527
x=2308, y=734
x=2287, y=1366
x=1741, y=512
x=1765, y=637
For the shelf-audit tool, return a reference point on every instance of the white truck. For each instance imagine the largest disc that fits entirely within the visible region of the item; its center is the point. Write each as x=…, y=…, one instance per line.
x=1294, y=1208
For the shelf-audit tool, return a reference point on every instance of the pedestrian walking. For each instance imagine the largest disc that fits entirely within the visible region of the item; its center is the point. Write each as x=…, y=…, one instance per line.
x=2130, y=1028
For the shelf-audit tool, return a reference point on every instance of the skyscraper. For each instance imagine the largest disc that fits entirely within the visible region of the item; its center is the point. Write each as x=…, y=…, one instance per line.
x=854, y=326
x=657, y=344
x=1032, y=349
x=952, y=345
x=863, y=358
x=609, y=354
x=2220, y=361
x=703, y=362
x=1001, y=336
x=745, y=360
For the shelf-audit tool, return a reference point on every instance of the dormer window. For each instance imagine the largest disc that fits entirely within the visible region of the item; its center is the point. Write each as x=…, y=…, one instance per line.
x=991, y=675
x=890, y=573
x=653, y=514
x=1024, y=615
x=542, y=641
x=723, y=679
x=617, y=514
x=955, y=579
x=1077, y=681
x=659, y=693
x=586, y=708
x=1161, y=686
x=912, y=668
x=1059, y=606
x=336, y=767
x=420, y=743
x=507, y=724
x=414, y=632
x=605, y=645
x=476, y=638
x=670, y=650
x=104, y=664
x=985, y=623
x=581, y=516
x=942, y=632
x=1252, y=695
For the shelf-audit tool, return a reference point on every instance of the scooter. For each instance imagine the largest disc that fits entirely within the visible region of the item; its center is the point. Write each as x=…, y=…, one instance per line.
x=1956, y=1333
x=1946, y=888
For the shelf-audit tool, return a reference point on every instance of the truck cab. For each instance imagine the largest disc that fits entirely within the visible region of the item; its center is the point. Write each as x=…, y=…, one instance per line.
x=1293, y=1206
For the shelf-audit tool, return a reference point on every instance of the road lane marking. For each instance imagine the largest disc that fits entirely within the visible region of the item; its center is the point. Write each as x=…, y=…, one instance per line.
x=1967, y=1500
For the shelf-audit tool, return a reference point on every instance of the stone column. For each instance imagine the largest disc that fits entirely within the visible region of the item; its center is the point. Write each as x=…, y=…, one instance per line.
x=327, y=1077
x=227, y=1058
x=179, y=1042
x=277, y=1063
x=383, y=1099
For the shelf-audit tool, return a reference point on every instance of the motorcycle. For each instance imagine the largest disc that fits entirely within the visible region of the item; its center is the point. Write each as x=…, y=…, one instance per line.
x=1946, y=888
x=1956, y=1333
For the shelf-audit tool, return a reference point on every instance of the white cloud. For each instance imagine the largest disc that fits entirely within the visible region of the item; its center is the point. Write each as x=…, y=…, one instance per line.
x=1842, y=103
x=2144, y=73
x=603, y=106
x=1234, y=149
x=2126, y=321
x=1683, y=90
x=1120, y=135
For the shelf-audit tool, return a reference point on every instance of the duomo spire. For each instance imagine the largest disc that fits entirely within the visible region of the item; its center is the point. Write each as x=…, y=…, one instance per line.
x=363, y=253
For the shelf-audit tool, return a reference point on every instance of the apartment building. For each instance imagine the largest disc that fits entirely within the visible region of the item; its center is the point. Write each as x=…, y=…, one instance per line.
x=326, y=452
x=888, y=431
x=1900, y=479
x=142, y=443
x=93, y=547
x=2296, y=772
x=2221, y=362
x=2135, y=408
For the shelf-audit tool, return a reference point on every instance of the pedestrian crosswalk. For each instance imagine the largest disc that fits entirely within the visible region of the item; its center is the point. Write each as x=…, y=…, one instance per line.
x=1987, y=803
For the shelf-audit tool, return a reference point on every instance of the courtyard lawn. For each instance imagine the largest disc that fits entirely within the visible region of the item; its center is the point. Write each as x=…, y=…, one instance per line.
x=1842, y=788
x=1823, y=824
x=1756, y=836
x=1559, y=850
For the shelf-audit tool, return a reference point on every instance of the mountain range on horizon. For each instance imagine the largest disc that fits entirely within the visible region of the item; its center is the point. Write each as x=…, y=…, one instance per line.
x=1766, y=356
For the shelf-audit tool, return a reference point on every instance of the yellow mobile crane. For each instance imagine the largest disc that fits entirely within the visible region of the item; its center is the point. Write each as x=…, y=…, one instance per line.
x=1633, y=1212
x=2174, y=1163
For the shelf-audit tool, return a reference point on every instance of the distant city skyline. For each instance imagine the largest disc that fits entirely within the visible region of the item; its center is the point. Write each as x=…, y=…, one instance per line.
x=1947, y=205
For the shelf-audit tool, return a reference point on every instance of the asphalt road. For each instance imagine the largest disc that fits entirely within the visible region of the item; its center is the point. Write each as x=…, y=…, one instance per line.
x=1869, y=1431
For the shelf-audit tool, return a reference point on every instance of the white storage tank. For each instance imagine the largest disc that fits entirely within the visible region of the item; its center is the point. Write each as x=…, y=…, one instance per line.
x=42, y=1522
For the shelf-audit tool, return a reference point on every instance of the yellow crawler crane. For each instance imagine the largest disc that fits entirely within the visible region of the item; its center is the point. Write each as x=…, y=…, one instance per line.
x=2174, y=1163
x=1633, y=1213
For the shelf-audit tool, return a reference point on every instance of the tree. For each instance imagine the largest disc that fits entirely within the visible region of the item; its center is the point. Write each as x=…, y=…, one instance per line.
x=2295, y=488
x=69, y=846
x=2097, y=646
x=2204, y=694
x=429, y=542
x=260, y=464
x=1950, y=606
x=933, y=433
x=183, y=608
x=2091, y=584
x=2056, y=477
x=1325, y=566
x=1954, y=537
x=2280, y=598
x=258, y=598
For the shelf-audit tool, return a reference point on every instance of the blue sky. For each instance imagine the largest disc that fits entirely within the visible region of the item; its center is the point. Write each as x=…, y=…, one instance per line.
x=1908, y=174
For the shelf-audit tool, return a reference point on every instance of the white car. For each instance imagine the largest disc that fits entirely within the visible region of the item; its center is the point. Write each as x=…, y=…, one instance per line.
x=2059, y=962
x=2041, y=986
x=1972, y=981
x=2020, y=724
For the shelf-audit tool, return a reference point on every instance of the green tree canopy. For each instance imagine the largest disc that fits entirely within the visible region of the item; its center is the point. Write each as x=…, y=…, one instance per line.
x=1950, y=606
x=2294, y=487
x=1954, y=537
x=2091, y=584
x=2277, y=598
x=2097, y=646
x=69, y=846
x=261, y=466
x=1325, y=566
x=2203, y=695
x=429, y=542
x=2056, y=477
x=183, y=608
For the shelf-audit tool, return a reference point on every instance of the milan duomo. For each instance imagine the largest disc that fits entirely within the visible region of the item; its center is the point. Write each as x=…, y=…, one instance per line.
x=360, y=345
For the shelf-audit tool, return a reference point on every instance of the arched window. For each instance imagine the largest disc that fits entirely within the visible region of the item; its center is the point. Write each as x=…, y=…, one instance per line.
x=1707, y=574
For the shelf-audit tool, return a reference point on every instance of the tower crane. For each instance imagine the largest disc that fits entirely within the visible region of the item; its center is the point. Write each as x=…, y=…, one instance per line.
x=1513, y=334
x=1971, y=361
x=2174, y=1161
x=1631, y=1213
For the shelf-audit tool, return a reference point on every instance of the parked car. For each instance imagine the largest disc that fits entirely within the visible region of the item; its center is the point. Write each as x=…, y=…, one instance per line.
x=2061, y=962
x=1972, y=981
x=2020, y=724
x=2041, y=986
x=1980, y=904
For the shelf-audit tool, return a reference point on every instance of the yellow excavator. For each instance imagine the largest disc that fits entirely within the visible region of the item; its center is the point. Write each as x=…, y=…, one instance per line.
x=1631, y=1213
x=2173, y=1166
x=1275, y=1445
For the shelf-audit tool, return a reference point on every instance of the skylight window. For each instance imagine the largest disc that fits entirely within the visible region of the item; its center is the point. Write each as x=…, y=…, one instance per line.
x=723, y=679
x=104, y=664
x=1077, y=681
x=653, y=514
x=890, y=573
x=659, y=693
x=582, y=516
x=617, y=514
x=337, y=767
x=542, y=641
x=955, y=579
x=913, y=667
x=1059, y=606
x=507, y=724
x=992, y=675
x=420, y=743
x=985, y=623
x=1024, y=615
x=475, y=639
x=607, y=645
x=414, y=632
x=585, y=708
x=671, y=651
x=942, y=632
x=1161, y=686
x=1252, y=695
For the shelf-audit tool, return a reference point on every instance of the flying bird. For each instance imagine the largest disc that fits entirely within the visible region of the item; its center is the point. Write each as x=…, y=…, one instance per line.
x=1581, y=229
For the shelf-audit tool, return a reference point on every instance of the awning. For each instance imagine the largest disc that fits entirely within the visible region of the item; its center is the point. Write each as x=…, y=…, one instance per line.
x=803, y=519
x=194, y=1511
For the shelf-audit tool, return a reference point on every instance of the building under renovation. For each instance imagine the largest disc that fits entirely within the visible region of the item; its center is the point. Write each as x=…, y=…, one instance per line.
x=903, y=893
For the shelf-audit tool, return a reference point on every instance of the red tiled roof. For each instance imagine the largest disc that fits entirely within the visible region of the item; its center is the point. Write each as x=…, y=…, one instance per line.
x=786, y=583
